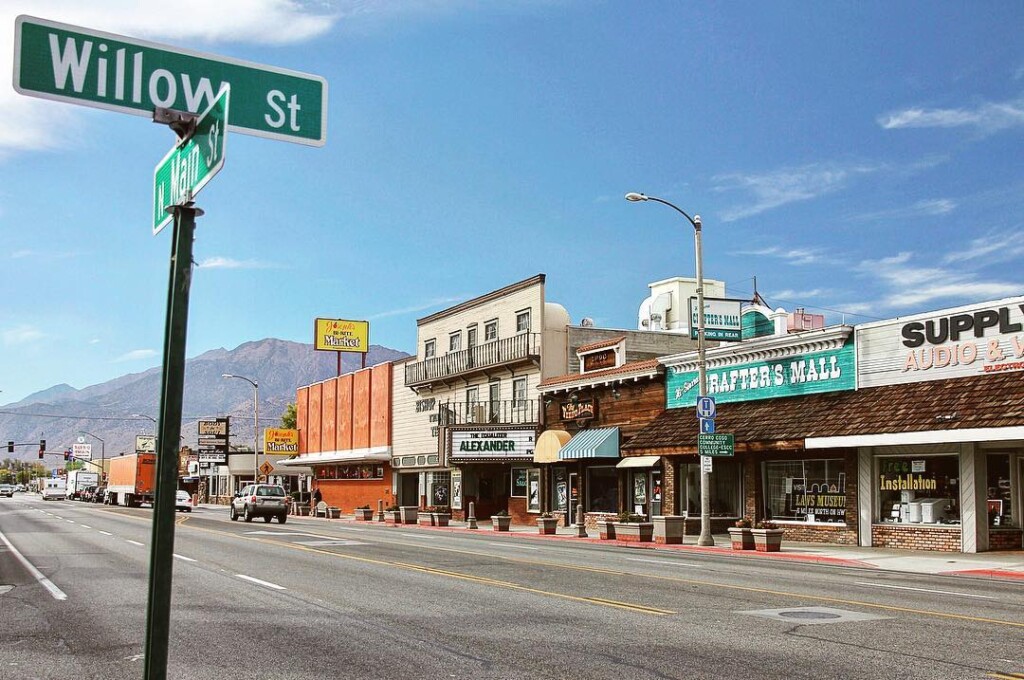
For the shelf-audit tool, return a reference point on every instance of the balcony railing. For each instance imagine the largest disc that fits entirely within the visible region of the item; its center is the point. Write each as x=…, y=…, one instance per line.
x=516, y=349
x=517, y=412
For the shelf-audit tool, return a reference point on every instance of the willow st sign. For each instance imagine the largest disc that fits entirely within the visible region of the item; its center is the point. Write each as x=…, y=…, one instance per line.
x=102, y=70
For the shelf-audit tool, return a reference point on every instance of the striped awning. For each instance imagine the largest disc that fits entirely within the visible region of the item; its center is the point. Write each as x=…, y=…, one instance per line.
x=599, y=443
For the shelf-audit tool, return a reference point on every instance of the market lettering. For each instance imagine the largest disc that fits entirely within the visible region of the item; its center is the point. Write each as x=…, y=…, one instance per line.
x=331, y=341
x=950, y=328
x=278, y=447
x=906, y=483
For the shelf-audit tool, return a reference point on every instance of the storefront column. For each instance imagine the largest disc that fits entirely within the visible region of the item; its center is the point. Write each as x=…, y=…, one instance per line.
x=974, y=511
x=865, y=495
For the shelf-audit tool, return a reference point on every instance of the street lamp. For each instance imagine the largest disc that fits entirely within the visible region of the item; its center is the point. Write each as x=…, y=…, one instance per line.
x=255, y=424
x=702, y=369
x=103, y=454
x=143, y=415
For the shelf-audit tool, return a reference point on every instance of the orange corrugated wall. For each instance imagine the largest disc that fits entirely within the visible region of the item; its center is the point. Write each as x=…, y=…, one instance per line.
x=329, y=416
x=302, y=416
x=380, y=406
x=315, y=407
x=361, y=393
x=344, y=410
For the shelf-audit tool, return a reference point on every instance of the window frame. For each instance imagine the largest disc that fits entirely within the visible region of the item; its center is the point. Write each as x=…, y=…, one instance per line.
x=455, y=341
x=430, y=348
x=529, y=320
x=488, y=326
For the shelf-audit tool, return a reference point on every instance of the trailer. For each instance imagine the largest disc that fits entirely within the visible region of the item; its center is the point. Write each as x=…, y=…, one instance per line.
x=54, y=489
x=131, y=480
x=79, y=481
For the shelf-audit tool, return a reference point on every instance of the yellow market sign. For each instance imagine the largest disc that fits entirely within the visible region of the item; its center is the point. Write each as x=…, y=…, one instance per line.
x=276, y=440
x=339, y=335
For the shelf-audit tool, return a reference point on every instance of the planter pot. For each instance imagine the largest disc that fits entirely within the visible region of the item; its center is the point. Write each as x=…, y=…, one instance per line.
x=364, y=514
x=606, y=530
x=742, y=538
x=333, y=513
x=408, y=513
x=440, y=519
x=392, y=518
x=501, y=523
x=634, y=532
x=767, y=540
x=668, y=529
x=547, y=525
x=425, y=519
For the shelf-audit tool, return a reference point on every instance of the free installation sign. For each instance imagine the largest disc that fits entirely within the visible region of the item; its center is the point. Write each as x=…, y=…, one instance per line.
x=106, y=71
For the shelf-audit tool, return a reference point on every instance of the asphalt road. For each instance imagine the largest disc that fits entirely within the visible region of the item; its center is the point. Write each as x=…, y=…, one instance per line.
x=346, y=600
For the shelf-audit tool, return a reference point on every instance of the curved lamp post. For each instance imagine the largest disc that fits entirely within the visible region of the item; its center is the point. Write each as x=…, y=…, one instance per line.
x=705, y=477
x=103, y=454
x=255, y=424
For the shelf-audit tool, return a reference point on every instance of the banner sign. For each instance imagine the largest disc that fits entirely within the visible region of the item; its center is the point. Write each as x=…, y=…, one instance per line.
x=810, y=373
x=340, y=335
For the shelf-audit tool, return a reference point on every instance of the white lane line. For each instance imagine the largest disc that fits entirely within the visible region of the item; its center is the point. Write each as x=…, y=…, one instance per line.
x=57, y=593
x=133, y=542
x=182, y=557
x=70, y=521
x=667, y=562
x=923, y=590
x=513, y=546
x=416, y=536
x=86, y=526
x=268, y=584
x=105, y=533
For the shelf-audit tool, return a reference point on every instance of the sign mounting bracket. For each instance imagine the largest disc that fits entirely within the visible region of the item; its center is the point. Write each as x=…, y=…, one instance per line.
x=182, y=122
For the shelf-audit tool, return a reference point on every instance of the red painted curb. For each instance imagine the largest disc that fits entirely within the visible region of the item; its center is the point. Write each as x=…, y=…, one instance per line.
x=988, y=573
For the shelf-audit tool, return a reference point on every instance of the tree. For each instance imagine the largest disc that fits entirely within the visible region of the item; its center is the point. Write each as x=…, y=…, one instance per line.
x=74, y=465
x=288, y=418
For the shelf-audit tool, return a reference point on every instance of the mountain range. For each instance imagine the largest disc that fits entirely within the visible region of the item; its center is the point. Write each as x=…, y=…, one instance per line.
x=114, y=412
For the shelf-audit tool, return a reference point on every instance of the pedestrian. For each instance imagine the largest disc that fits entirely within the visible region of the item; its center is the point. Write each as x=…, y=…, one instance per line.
x=317, y=497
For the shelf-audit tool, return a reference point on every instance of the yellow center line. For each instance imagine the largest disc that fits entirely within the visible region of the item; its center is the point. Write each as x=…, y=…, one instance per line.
x=1006, y=676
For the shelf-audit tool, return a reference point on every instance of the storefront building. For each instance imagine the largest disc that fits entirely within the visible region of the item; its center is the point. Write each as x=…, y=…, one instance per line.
x=465, y=409
x=344, y=428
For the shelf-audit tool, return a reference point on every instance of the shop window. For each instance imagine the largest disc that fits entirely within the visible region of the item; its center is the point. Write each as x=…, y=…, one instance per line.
x=918, y=489
x=533, y=490
x=805, y=490
x=519, y=483
x=999, y=495
x=726, y=490
x=602, y=489
x=439, y=486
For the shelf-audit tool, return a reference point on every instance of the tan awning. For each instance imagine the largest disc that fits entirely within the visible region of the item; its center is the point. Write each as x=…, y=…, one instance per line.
x=638, y=462
x=549, y=444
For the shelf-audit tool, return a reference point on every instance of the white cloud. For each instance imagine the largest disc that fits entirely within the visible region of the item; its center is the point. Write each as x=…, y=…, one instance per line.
x=218, y=262
x=994, y=247
x=431, y=304
x=22, y=335
x=796, y=256
x=924, y=208
x=786, y=185
x=789, y=295
x=30, y=124
x=987, y=117
x=135, y=355
x=911, y=286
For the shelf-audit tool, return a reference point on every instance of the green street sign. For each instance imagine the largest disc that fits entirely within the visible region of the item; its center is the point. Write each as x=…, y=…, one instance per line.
x=106, y=71
x=191, y=163
x=715, y=445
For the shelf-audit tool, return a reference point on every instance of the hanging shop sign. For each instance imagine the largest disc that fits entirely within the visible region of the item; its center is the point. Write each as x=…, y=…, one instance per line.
x=722, y=319
x=584, y=409
x=953, y=343
x=809, y=373
x=495, y=444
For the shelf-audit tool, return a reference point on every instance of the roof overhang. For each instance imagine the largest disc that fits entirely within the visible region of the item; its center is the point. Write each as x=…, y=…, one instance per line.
x=381, y=454
x=962, y=436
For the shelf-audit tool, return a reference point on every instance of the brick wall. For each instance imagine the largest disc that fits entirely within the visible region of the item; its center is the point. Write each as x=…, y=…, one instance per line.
x=349, y=494
x=943, y=539
x=1005, y=539
x=821, y=533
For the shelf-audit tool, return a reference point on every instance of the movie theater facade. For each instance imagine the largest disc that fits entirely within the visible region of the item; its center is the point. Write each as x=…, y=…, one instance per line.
x=905, y=433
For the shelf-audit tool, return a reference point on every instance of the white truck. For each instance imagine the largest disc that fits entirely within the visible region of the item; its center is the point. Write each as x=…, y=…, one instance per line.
x=79, y=481
x=55, y=489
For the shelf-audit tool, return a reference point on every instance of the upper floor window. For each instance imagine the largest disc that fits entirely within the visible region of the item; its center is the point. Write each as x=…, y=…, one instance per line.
x=471, y=337
x=523, y=321
x=455, y=341
x=519, y=392
x=429, y=349
x=491, y=330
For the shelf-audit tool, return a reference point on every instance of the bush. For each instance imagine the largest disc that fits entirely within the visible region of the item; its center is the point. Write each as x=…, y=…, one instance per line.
x=439, y=509
x=743, y=523
x=628, y=517
x=392, y=508
x=363, y=507
x=500, y=513
x=766, y=524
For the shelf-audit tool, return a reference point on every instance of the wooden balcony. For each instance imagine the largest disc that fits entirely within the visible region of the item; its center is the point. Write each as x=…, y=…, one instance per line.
x=518, y=349
x=516, y=412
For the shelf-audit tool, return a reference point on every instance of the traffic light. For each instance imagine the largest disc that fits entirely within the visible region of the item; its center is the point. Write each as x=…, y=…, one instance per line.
x=40, y=454
x=10, y=447
x=42, y=445
x=67, y=454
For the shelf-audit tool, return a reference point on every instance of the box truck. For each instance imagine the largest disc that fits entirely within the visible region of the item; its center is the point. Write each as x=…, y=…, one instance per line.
x=131, y=479
x=79, y=481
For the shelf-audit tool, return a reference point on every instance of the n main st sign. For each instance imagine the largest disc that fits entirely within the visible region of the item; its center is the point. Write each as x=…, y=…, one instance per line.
x=102, y=70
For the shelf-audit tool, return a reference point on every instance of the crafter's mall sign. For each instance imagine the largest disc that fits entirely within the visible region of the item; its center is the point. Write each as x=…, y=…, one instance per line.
x=984, y=338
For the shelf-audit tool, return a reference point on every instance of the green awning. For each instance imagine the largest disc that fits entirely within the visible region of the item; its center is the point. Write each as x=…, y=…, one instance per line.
x=599, y=443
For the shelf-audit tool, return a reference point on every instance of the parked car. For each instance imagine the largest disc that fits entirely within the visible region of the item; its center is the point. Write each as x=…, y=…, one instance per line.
x=260, y=500
x=182, y=501
x=7, y=490
x=99, y=494
x=87, y=494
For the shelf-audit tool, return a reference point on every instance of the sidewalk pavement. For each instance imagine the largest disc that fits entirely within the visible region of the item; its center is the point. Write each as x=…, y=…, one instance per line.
x=1001, y=565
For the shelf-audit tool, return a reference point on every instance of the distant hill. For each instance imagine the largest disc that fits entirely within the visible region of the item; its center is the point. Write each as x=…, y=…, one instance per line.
x=106, y=410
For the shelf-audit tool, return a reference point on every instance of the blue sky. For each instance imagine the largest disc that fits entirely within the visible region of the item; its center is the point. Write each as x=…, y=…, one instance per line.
x=862, y=160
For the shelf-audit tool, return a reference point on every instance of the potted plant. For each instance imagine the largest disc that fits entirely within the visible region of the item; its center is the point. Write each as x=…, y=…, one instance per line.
x=547, y=523
x=501, y=520
x=633, y=528
x=742, y=538
x=364, y=513
x=669, y=529
x=409, y=513
x=392, y=516
x=606, y=528
x=435, y=516
x=767, y=536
